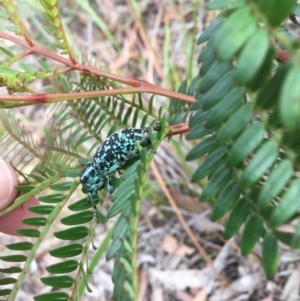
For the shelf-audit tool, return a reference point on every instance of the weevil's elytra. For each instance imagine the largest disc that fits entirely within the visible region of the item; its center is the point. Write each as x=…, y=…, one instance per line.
x=115, y=151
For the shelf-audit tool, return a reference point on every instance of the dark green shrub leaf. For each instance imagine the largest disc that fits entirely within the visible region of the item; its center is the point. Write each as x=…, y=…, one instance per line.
x=199, y=117
x=210, y=163
x=207, y=51
x=78, y=218
x=252, y=232
x=270, y=255
x=63, y=267
x=41, y=209
x=290, y=99
x=264, y=70
x=285, y=237
x=67, y=251
x=29, y=232
x=14, y=258
x=276, y=181
x=216, y=182
x=252, y=56
x=72, y=233
x=202, y=148
x=51, y=198
x=120, y=203
x=5, y=292
x=20, y=246
x=226, y=198
x=225, y=84
x=198, y=132
x=205, y=68
x=58, y=281
x=24, y=188
x=65, y=186
x=83, y=204
x=246, y=143
x=55, y=296
x=211, y=30
x=276, y=11
x=73, y=173
x=8, y=280
x=295, y=241
x=235, y=124
x=35, y=221
x=288, y=205
x=217, y=4
x=238, y=28
x=226, y=107
x=236, y=218
x=217, y=70
x=268, y=96
x=262, y=161
x=11, y=270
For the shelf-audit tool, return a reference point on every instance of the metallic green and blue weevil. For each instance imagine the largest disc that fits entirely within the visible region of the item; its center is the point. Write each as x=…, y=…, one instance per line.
x=110, y=157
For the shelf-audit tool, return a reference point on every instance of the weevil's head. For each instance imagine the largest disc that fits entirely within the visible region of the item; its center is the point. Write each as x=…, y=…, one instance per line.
x=90, y=180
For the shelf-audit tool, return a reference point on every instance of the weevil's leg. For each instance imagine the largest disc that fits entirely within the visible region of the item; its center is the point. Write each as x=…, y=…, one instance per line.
x=90, y=200
x=110, y=185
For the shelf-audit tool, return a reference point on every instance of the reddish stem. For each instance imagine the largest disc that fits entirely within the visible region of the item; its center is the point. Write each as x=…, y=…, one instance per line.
x=142, y=86
x=178, y=129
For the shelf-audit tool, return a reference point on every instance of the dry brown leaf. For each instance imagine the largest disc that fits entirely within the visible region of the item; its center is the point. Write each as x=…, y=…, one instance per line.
x=291, y=289
x=181, y=279
x=143, y=282
x=201, y=296
x=183, y=296
x=171, y=246
x=269, y=298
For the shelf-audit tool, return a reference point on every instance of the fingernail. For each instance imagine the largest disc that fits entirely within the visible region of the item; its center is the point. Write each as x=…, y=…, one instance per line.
x=8, y=179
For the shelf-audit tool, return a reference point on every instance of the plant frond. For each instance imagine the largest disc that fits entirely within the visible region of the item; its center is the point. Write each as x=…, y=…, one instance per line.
x=247, y=152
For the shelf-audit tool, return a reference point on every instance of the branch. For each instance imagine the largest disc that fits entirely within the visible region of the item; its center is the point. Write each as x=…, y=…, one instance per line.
x=140, y=85
x=48, y=98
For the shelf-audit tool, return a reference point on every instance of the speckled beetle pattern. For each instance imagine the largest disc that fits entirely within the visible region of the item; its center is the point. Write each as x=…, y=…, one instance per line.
x=110, y=157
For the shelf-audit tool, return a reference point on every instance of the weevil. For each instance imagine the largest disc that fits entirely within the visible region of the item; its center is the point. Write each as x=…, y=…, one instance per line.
x=110, y=157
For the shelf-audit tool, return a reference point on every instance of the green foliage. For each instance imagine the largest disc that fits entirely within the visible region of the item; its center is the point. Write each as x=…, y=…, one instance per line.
x=247, y=114
x=244, y=122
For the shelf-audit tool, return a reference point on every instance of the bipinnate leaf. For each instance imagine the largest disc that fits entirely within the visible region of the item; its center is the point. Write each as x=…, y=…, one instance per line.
x=259, y=165
x=78, y=218
x=270, y=255
x=210, y=163
x=70, y=250
x=58, y=281
x=238, y=28
x=63, y=267
x=216, y=182
x=275, y=11
x=252, y=56
x=72, y=233
x=290, y=99
x=246, y=143
x=202, y=148
x=235, y=124
x=237, y=217
x=288, y=205
x=54, y=296
x=276, y=181
x=252, y=232
x=225, y=200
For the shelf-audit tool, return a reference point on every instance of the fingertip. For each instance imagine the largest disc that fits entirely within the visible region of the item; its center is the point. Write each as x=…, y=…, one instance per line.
x=8, y=180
